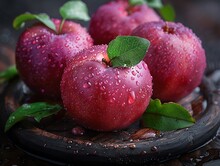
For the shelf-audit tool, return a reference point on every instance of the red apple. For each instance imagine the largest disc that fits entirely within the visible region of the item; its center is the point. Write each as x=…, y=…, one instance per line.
x=176, y=59
x=118, y=18
x=101, y=97
x=42, y=54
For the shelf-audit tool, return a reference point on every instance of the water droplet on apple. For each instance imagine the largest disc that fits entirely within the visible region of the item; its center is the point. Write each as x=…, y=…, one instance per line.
x=118, y=82
x=112, y=100
x=77, y=38
x=123, y=104
x=137, y=83
x=87, y=85
x=131, y=97
x=102, y=88
x=86, y=78
x=145, y=66
x=134, y=73
x=139, y=66
x=132, y=78
x=88, y=39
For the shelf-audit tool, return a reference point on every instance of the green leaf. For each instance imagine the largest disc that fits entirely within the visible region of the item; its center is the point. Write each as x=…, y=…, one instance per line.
x=74, y=10
x=127, y=51
x=167, y=12
x=20, y=20
x=167, y=116
x=8, y=74
x=137, y=2
x=155, y=3
x=37, y=110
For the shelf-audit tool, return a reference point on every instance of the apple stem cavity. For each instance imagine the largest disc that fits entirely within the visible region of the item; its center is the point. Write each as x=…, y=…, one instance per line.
x=169, y=30
x=70, y=10
x=126, y=51
x=108, y=63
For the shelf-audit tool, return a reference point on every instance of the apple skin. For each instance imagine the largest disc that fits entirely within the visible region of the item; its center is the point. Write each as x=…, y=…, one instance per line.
x=104, y=98
x=118, y=18
x=42, y=55
x=176, y=59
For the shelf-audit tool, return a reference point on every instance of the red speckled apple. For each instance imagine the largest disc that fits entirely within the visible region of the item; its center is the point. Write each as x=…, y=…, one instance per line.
x=176, y=59
x=118, y=18
x=101, y=97
x=42, y=54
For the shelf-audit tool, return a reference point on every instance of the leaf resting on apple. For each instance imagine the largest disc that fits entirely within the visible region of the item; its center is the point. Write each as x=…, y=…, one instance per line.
x=127, y=51
x=70, y=10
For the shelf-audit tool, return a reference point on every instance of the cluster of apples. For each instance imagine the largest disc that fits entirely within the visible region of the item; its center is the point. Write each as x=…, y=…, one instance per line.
x=73, y=65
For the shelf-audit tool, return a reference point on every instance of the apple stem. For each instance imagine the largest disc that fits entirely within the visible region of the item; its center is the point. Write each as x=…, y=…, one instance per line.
x=106, y=62
x=61, y=26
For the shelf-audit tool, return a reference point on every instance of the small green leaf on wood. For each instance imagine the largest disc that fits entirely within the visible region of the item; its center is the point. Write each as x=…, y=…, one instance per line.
x=20, y=20
x=74, y=10
x=167, y=116
x=8, y=74
x=127, y=51
x=37, y=111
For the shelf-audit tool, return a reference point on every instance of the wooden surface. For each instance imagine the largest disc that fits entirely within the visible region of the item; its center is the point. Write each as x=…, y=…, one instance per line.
x=56, y=139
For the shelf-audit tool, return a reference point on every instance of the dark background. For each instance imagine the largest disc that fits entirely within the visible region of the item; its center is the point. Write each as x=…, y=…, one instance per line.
x=202, y=16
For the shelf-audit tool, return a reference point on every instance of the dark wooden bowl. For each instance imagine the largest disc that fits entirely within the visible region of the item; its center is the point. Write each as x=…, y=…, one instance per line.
x=53, y=139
